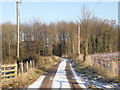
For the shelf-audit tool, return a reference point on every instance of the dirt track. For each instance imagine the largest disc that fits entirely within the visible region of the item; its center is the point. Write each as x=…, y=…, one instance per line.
x=50, y=75
x=47, y=82
x=70, y=77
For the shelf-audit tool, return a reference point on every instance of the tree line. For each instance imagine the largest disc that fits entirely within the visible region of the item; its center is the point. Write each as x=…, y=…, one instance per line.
x=38, y=38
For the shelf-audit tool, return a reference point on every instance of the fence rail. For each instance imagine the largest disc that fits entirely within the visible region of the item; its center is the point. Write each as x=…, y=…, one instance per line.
x=8, y=71
x=13, y=70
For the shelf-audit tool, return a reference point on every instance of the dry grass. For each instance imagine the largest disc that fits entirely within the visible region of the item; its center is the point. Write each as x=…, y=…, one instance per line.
x=108, y=72
x=80, y=67
x=23, y=81
x=8, y=61
x=45, y=62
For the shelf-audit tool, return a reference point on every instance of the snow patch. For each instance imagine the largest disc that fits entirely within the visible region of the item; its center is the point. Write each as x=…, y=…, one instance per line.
x=60, y=80
x=55, y=63
x=94, y=82
x=77, y=78
x=38, y=82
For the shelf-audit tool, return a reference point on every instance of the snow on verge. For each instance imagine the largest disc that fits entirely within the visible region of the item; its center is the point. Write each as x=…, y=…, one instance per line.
x=38, y=82
x=60, y=80
x=77, y=78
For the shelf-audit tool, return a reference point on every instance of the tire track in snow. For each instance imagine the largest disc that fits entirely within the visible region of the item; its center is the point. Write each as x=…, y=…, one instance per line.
x=73, y=83
x=61, y=75
x=47, y=82
x=78, y=79
x=38, y=82
x=60, y=80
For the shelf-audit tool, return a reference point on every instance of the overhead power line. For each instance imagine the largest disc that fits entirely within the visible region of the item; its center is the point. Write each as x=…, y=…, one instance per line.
x=96, y=6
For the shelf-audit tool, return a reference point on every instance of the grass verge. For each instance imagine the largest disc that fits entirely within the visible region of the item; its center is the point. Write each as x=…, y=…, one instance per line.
x=23, y=81
x=91, y=74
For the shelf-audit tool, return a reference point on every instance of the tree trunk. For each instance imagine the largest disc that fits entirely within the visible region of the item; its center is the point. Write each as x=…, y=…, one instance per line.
x=86, y=46
x=79, y=41
x=73, y=48
x=9, y=50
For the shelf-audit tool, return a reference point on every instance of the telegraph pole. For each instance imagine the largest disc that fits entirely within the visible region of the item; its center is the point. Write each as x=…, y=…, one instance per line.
x=17, y=3
x=17, y=30
x=79, y=41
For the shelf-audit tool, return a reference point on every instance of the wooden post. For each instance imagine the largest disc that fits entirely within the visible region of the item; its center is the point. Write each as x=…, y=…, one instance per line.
x=22, y=66
x=19, y=68
x=4, y=72
x=27, y=65
x=17, y=30
x=30, y=64
x=33, y=64
x=16, y=70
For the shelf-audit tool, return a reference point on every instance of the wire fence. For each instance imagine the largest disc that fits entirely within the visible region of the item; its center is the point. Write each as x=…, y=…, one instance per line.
x=107, y=64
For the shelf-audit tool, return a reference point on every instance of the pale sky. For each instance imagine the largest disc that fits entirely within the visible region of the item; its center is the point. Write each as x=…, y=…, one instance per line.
x=57, y=11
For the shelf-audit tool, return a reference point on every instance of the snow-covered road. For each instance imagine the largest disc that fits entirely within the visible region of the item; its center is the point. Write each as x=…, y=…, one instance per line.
x=60, y=77
x=60, y=80
x=38, y=82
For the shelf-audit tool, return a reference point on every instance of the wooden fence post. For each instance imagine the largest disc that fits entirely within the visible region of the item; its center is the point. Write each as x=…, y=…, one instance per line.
x=19, y=68
x=22, y=66
x=30, y=64
x=27, y=66
x=16, y=70
x=4, y=72
x=33, y=63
